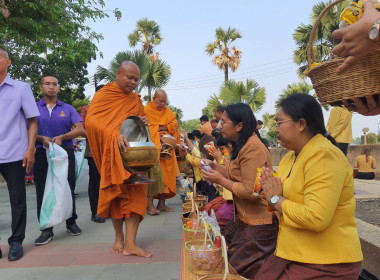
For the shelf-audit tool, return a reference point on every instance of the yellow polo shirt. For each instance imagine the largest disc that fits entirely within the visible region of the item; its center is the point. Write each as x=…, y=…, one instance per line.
x=318, y=221
x=339, y=125
x=363, y=165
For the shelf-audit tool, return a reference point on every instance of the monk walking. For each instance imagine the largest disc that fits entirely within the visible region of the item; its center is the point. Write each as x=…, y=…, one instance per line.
x=109, y=108
x=162, y=121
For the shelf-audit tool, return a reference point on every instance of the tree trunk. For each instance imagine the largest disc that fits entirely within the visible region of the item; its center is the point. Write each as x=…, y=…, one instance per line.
x=226, y=72
x=149, y=94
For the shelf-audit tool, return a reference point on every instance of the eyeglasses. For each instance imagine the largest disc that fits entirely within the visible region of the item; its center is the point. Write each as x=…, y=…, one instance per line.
x=280, y=122
x=222, y=122
x=53, y=84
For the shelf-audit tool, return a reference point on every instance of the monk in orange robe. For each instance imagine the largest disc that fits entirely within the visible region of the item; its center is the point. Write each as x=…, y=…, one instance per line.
x=162, y=120
x=109, y=108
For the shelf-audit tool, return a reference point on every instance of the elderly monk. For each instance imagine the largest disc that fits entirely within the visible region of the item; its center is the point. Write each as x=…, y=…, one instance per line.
x=109, y=108
x=162, y=120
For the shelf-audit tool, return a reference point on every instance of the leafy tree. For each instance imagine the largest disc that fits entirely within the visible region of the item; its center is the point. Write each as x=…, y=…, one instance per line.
x=378, y=138
x=249, y=93
x=227, y=57
x=50, y=38
x=272, y=136
x=79, y=103
x=357, y=140
x=323, y=42
x=371, y=138
x=147, y=32
x=178, y=113
x=190, y=125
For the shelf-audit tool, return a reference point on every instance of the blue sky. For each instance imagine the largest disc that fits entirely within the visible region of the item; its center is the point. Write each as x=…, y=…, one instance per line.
x=187, y=27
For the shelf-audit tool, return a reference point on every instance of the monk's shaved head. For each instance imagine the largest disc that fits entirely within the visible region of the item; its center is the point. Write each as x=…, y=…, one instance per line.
x=160, y=92
x=159, y=99
x=127, y=76
x=129, y=65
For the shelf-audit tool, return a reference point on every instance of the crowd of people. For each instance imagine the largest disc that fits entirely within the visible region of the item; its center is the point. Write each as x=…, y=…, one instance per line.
x=301, y=225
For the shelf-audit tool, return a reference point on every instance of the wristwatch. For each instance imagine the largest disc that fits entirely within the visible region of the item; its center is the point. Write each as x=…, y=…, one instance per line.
x=274, y=199
x=374, y=31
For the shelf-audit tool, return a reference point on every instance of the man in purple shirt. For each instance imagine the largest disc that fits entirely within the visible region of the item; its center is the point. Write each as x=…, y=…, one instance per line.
x=55, y=124
x=18, y=130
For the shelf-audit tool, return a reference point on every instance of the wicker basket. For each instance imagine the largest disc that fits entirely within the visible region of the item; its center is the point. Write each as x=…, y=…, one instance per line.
x=227, y=275
x=189, y=216
x=204, y=261
x=186, y=207
x=193, y=234
x=360, y=79
x=193, y=214
x=198, y=199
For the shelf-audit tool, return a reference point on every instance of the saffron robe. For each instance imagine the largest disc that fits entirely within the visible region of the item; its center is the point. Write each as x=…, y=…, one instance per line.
x=108, y=109
x=169, y=166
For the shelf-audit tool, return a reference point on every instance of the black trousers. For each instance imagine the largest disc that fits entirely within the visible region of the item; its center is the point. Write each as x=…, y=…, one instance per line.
x=93, y=185
x=343, y=147
x=14, y=175
x=366, y=175
x=40, y=172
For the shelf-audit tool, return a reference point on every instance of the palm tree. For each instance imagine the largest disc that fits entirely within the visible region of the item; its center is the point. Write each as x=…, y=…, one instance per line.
x=249, y=93
x=212, y=103
x=227, y=58
x=152, y=75
x=148, y=33
x=365, y=131
x=300, y=87
x=323, y=42
x=109, y=75
x=269, y=121
x=157, y=76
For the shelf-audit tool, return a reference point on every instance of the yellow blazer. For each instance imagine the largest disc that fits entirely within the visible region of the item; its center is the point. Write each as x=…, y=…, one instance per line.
x=339, y=125
x=318, y=221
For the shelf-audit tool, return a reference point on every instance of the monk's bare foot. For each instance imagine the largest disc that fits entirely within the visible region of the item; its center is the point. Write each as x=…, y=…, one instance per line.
x=153, y=211
x=136, y=250
x=164, y=208
x=118, y=246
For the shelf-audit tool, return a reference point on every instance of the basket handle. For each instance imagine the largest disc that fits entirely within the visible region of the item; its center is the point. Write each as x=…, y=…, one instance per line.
x=224, y=252
x=206, y=231
x=310, y=52
x=192, y=202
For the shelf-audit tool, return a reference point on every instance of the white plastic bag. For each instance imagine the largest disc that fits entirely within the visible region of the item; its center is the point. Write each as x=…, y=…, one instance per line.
x=57, y=203
x=79, y=159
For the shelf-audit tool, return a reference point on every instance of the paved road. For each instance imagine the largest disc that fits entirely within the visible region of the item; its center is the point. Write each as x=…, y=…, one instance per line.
x=88, y=256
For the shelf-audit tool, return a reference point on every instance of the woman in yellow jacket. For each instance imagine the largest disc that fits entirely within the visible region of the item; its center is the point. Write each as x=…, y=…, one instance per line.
x=366, y=164
x=314, y=196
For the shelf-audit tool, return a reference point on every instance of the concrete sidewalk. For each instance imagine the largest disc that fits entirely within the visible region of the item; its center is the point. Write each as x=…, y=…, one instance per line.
x=88, y=256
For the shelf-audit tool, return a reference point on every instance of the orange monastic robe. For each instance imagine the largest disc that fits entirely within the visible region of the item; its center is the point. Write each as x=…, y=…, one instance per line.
x=108, y=109
x=169, y=166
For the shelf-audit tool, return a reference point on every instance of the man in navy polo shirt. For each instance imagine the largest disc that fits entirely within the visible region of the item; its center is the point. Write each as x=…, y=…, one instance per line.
x=18, y=130
x=55, y=124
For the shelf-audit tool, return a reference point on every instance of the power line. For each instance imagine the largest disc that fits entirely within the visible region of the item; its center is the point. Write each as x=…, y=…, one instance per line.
x=256, y=66
x=233, y=75
x=250, y=74
x=216, y=84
